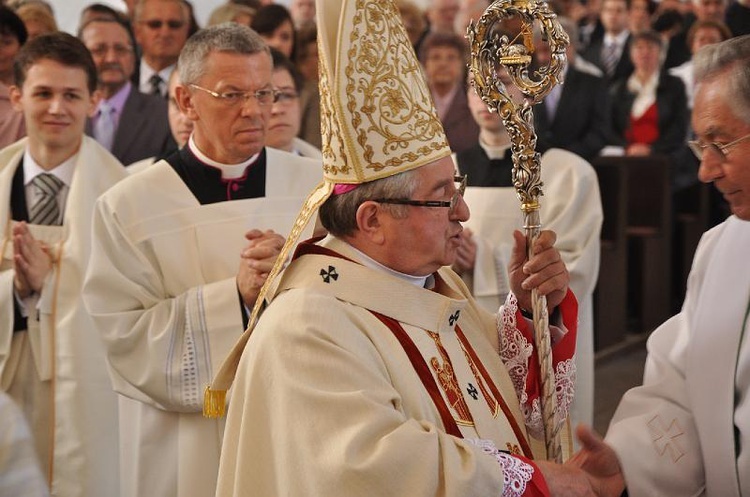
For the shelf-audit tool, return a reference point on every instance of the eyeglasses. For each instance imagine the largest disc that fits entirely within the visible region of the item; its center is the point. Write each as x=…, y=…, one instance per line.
x=155, y=24
x=452, y=205
x=719, y=149
x=102, y=50
x=285, y=96
x=264, y=97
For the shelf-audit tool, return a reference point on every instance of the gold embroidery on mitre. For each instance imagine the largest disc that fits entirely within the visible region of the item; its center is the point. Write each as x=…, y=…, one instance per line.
x=335, y=160
x=388, y=123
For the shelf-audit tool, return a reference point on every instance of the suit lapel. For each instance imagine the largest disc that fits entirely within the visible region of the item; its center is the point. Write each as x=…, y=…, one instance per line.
x=129, y=123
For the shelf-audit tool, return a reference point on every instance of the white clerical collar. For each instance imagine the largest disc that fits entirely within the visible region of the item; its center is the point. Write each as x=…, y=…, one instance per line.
x=419, y=281
x=494, y=151
x=64, y=172
x=228, y=171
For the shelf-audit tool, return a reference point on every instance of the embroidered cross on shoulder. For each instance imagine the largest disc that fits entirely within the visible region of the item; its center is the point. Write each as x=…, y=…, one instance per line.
x=329, y=275
x=453, y=318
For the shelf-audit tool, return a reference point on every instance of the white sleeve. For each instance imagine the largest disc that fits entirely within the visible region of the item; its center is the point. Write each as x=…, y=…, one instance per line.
x=162, y=348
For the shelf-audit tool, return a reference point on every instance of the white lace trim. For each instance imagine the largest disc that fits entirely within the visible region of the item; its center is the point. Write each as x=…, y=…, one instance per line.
x=515, y=352
x=565, y=379
x=516, y=473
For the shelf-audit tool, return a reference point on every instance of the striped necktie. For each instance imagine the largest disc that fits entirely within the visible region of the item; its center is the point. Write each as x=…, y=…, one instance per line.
x=46, y=210
x=610, y=58
x=104, y=129
x=156, y=81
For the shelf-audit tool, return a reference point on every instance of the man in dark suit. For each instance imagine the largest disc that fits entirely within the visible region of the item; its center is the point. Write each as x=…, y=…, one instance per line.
x=444, y=57
x=575, y=115
x=610, y=53
x=128, y=123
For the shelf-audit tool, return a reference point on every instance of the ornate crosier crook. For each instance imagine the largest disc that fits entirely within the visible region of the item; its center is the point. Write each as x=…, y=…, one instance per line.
x=492, y=50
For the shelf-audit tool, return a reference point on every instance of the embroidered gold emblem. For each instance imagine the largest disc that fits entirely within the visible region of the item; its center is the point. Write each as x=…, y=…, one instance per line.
x=666, y=437
x=514, y=449
x=488, y=398
x=446, y=377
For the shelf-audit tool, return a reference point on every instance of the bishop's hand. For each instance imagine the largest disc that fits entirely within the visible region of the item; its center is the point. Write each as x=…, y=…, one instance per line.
x=544, y=271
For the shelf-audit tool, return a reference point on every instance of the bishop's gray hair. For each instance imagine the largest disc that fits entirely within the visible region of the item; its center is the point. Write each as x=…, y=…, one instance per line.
x=729, y=60
x=338, y=214
x=228, y=37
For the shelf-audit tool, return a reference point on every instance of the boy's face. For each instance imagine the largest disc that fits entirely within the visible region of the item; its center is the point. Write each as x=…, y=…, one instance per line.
x=55, y=101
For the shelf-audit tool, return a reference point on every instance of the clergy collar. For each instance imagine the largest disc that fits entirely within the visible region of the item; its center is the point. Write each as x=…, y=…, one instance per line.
x=64, y=171
x=228, y=171
x=494, y=151
x=366, y=260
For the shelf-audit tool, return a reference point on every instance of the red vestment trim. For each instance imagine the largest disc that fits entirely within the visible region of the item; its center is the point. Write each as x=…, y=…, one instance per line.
x=423, y=371
x=496, y=393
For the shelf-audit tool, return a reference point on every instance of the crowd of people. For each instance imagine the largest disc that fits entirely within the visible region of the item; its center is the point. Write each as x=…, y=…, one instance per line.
x=157, y=175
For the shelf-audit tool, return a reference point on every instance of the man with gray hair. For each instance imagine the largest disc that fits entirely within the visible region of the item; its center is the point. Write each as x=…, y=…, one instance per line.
x=179, y=254
x=161, y=29
x=686, y=431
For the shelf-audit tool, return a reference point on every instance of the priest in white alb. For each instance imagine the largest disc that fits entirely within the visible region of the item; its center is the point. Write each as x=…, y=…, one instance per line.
x=686, y=431
x=180, y=251
x=570, y=206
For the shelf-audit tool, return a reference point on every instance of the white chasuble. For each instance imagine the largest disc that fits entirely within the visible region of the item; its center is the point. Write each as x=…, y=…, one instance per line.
x=56, y=370
x=571, y=207
x=328, y=400
x=162, y=290
x=686, y=430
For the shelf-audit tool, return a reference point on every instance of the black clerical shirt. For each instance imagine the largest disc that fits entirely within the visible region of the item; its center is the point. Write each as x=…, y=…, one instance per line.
x=206, y=183
x=482, y=170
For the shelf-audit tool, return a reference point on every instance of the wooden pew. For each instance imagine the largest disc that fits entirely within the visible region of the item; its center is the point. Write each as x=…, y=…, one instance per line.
x=610, y=295
x=648, y=229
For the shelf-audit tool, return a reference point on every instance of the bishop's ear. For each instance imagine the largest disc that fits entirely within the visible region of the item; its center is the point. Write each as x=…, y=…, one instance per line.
x=370, y=221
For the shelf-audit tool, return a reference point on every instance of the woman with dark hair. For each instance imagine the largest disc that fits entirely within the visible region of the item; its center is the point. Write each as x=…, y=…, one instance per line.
x=13, y=35
x=274, y=24
x=286, y=112
x=649, y=108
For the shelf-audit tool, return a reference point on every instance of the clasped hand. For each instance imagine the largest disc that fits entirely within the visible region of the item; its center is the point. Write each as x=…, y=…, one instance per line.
x=32, y=261
x=256, y=261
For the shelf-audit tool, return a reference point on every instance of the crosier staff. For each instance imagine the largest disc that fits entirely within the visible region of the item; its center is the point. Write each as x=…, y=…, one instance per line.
x=490, y=51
